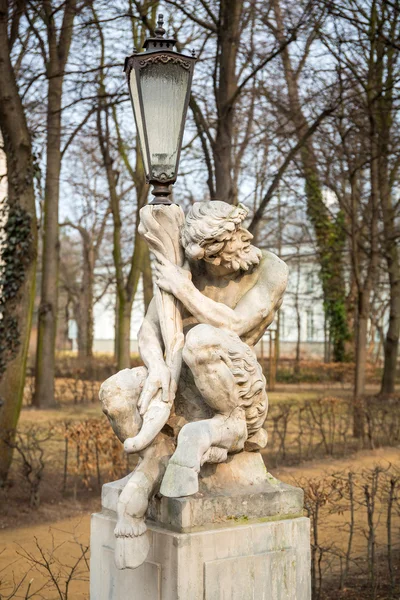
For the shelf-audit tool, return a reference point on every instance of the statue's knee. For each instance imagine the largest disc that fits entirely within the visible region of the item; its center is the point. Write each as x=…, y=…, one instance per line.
x=197, y=343
x=187, y=430
x=119, y=396
x=134, y=498
x=193, y=432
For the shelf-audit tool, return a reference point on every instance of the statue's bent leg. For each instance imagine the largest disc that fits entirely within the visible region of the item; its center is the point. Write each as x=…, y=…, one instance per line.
x=132, y=543
x=199, y=442
x=230, y=380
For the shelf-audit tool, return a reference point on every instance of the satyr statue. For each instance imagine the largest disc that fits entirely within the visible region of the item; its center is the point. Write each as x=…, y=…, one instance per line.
x=201, y=394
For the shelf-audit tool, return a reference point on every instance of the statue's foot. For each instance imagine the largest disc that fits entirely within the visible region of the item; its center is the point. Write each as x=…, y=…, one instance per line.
x=132, y=543
x=131, y=552
x=129, y=527
x=179, y=481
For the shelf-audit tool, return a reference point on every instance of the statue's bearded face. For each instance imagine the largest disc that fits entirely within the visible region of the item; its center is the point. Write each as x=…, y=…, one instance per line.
x=236, y=253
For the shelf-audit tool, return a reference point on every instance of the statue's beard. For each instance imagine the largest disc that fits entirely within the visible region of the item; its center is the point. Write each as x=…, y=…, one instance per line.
x=242, y=260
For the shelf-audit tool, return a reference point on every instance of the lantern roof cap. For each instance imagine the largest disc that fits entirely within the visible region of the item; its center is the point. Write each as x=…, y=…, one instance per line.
x=158, y=42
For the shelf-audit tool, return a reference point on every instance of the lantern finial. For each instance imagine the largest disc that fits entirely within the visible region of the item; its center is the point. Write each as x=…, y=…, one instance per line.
x=160, y=31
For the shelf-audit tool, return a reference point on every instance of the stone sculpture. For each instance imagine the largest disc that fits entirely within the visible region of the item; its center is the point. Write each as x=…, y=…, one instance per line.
x=201, y=394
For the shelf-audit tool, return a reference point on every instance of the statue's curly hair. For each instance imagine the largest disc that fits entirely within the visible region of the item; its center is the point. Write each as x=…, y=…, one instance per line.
x=251, y=383
x=208, y=226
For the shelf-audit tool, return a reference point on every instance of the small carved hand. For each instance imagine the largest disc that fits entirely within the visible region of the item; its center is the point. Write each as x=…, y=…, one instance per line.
x=159, y=377
x=170, y=277
x=131, y=445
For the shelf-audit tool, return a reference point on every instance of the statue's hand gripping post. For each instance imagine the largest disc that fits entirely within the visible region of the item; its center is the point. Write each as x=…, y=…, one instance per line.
x=160, y=226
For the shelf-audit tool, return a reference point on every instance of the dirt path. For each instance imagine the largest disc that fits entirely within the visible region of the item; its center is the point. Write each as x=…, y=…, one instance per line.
x=364, y=459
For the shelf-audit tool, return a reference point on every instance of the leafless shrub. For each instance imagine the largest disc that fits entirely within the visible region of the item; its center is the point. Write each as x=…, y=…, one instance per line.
x=317, y=495
x=29, y=446
x=301, y=431
x=367, y=503
x=77, y=390
x=59, y=575
x=18, y=587
x=392, y=488
x=10, y=589
x=382, y=417
x=280, y=420
x=92, y=453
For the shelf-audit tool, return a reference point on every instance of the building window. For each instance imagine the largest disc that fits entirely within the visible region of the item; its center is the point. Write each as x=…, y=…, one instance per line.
x=310, y=325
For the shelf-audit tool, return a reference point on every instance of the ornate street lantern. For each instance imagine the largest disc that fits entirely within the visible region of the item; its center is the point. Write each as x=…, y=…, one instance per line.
x=159, y=84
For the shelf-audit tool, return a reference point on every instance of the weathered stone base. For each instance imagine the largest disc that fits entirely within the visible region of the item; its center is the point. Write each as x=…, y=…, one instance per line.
x=264, y=560
x=241, y=537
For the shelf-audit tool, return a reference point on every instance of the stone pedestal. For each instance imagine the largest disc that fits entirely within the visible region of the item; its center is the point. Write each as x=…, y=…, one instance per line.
x=231, y=541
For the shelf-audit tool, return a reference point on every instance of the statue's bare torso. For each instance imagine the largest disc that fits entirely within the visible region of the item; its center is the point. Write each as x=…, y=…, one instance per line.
x=232, y=290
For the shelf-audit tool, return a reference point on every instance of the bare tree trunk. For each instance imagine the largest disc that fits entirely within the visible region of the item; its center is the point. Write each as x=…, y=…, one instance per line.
x=278, y=338
x=351, y=302
x=81, y=327
x=126, y=285
x=116, y=327
x=228, y=45
x=86, y=297
x=124, y=334
x=388, y=181
x=126, y=289
x=18, y=289
x=83, y=313
x=391, y=346
x=298, y=343
x=391, y=253
x=365, y=287
x=329, y=237
x=47, y=315
x=360, y=362
x=278, y=319
x=90, y=322
x=126, y=298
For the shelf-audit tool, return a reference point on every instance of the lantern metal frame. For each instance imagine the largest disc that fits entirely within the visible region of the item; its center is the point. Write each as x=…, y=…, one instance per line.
x=158, y=49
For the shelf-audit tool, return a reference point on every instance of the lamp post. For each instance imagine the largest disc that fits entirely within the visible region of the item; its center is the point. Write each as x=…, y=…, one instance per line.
x=159, y=81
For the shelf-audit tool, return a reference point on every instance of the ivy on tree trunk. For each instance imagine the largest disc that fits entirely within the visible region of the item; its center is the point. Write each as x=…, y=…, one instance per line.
x=18, y=247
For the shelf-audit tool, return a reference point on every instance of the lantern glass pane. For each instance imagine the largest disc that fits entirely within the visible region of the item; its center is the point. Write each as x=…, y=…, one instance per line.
x=164, y=86
x=138, y=118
